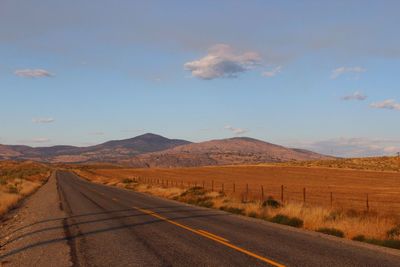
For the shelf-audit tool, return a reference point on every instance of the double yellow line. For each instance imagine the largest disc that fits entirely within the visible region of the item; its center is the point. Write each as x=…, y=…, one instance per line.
x=208, y=235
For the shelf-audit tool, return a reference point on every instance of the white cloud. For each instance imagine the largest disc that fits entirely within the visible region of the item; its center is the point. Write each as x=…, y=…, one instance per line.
x=273, y=72
x=32, y=73
x=386, y=104
x=352, y=147
x=221, y=61
x=35, y=140
x=342, y=70
x=355, y=96
x=236, y=131
x=42, y=120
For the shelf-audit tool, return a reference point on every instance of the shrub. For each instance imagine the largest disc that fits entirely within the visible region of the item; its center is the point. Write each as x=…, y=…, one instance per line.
x=253, y=214
x=360, y=238
x=271, y=202
x=331, y=231
x=286, y=220
x=194, y=191
x=13, y=189
x=390, y=243
x=127, y=181
x=232, y=210
x=394, y=232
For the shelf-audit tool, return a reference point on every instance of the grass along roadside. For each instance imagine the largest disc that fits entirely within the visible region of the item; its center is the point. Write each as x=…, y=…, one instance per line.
x=18, y=180
x=368, y=227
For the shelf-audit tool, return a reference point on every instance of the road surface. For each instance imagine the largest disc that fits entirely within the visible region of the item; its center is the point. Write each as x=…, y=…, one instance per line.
x=108, y=226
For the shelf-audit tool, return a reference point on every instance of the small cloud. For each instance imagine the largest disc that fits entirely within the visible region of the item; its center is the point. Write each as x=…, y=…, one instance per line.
x=343, y=70
x=42, y=120
x=386, y=104
x=33, y=73
x=273, y=72
x=97, y=133
x=237, y=131
x=355, y=96
x=222, y=62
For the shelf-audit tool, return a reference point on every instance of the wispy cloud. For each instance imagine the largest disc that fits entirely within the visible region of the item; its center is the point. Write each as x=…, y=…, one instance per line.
x=352, y=147
x=355, y=96
x=386, y=104
x=33, y=73
x=343, y=70
x=42, y=120
x=222, y=61
x=236, y=131
x=273, y=72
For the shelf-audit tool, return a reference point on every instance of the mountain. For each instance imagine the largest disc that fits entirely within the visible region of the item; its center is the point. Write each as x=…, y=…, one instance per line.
x=111, y=151
x=240, y=150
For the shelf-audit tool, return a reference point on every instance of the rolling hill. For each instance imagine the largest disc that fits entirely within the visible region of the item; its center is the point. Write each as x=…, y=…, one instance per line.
x=111, y=151
x=239, y=150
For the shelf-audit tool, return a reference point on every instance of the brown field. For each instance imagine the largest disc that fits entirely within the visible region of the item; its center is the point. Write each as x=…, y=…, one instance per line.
x=348, y=212
x=348, y=188
x=18, y=180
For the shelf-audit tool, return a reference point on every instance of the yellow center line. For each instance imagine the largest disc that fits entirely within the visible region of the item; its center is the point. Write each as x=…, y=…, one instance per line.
x=215, y=236
x=219, y=240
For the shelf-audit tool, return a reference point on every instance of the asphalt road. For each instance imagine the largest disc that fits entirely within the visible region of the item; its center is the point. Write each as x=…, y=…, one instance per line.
x=108, y=226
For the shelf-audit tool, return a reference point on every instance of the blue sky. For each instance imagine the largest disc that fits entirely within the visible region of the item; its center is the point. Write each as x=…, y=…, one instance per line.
x=322, y=75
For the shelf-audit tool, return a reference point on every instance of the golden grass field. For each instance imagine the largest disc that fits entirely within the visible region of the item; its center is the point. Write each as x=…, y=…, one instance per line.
x=18, y=180
x=349, y=188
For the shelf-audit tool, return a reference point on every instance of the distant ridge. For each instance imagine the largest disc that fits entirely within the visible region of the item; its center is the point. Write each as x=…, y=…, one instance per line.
x=151, y=150
x=239, y=150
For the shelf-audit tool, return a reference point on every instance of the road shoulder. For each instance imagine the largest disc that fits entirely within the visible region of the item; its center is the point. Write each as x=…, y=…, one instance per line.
x=33, y=234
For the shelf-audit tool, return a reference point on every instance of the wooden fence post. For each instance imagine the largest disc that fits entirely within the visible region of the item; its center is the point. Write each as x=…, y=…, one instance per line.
x=247, y=192
x=262, y=194
x=222, y=188
x=331, y=199
x=367, y=203
x=304, y=195
x=203, y=185
x=281, y=193
x=212, y=185
x=234, y=188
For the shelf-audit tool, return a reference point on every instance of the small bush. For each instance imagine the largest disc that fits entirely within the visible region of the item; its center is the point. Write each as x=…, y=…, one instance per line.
x=3, y=181
x=194, y=191
x=360, y=238
x=390, y=243
x=394, y=232
x=12, y=189
x=232, y=210
x=331, y=231
x=286, y=220
x=127, y=181
x=253, y=214
x=271, y=202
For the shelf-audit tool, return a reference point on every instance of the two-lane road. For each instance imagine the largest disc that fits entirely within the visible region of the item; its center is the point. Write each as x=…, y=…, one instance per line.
x=108, y=226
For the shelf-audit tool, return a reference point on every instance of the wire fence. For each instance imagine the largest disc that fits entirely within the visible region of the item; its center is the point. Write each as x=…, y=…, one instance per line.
x=334, y=198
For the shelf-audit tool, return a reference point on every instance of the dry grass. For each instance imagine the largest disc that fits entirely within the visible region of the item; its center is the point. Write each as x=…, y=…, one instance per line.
x=18, y=180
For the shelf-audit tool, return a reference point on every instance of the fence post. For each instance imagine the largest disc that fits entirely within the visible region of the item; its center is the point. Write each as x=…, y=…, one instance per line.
x=262, y=194
x=234, y=188
x=212, y=186
x=247, y=192
x=367, y=203
x=304, y=195
x=331, y=199
x=203, y=185
x=281, y=193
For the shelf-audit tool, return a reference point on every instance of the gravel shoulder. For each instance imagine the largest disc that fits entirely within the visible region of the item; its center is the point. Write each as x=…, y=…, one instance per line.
x=33, y=234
